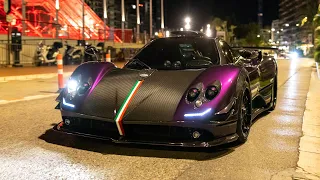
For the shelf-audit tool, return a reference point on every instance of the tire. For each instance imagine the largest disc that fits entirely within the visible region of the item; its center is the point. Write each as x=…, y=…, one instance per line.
x=274, y=94
x=244, y=115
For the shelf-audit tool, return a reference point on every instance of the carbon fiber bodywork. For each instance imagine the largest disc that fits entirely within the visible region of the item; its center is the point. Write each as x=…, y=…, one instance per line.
x=147, y=104
x=156, y=110
x=156, y=113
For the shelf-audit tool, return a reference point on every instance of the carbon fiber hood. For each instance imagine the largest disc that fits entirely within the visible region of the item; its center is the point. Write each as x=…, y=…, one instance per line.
x=156, y=100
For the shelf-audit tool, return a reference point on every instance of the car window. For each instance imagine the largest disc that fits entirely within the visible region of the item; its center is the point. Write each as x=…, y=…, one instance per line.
x=176, y=53
x=227, y=52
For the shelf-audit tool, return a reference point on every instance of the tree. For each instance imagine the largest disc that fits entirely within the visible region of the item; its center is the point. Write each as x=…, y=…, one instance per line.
x=316, y=23
x=219, y=24
x=310, y=10
x=248, y=34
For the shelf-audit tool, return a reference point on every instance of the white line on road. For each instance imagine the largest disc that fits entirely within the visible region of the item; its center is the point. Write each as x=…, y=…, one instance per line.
x=32, y=77
x=28, y=98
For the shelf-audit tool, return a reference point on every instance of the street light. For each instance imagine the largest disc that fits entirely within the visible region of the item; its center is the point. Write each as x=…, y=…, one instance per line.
x=287, y=25
x=167, y=33
x=208, y=31
x=187, y=26
x=258, y=35
x=273, y=29
x=187, y=20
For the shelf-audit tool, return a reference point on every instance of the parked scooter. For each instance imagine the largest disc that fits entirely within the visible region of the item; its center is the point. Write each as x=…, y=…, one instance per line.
x=91, y=53
x=72, y=55
x=47, y=54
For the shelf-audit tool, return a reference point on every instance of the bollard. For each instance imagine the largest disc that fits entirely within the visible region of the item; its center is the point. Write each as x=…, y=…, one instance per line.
x=108, y=56
x=60, y=72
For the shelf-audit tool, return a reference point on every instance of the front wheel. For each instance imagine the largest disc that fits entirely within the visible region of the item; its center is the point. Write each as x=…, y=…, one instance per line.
x=244, y=115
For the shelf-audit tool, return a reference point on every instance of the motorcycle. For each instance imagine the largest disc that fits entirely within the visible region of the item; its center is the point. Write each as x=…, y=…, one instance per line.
x=47, y=54
x=72, y=55
x=92, y=53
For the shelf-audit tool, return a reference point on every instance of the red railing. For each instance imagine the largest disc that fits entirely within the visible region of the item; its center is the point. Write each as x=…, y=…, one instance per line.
x=40, y=21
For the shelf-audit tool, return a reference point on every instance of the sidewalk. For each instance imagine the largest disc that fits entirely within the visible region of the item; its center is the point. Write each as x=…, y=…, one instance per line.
x=25, y=73
x=308, y=166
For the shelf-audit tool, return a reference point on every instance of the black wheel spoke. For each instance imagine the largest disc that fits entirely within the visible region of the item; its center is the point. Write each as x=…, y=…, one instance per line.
x=245, y=116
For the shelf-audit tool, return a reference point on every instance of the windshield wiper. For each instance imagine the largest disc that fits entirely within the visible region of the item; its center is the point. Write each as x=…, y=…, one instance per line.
x=140, y=62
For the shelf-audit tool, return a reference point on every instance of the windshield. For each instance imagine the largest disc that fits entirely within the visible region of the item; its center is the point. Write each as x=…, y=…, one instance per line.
x=176, y=53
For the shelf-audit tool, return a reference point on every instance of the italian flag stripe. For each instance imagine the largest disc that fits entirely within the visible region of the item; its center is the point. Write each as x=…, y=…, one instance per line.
x=124, y=107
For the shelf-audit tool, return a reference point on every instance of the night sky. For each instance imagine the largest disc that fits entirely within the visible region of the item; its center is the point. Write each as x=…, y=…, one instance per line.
x=202, y=11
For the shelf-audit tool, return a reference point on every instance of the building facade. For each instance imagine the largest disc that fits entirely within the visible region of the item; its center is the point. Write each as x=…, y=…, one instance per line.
x=293, y=32
x=114, y=13
x=276, y=31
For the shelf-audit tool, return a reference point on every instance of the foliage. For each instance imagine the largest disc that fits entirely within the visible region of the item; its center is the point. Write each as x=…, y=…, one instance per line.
x=316, y=23
x=222, y=25
x=247, y=34
x=219, y=24
x=316, y=19
x=310, y=10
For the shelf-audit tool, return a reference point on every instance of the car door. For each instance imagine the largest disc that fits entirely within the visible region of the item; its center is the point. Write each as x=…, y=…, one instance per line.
x=234, y=58
x=267, y=72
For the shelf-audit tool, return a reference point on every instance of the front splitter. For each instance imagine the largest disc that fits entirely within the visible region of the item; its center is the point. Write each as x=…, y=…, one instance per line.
x=124, y=140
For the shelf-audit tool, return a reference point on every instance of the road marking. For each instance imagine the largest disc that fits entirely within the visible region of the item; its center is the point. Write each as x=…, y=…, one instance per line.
x=32, y=77
x=28, y=98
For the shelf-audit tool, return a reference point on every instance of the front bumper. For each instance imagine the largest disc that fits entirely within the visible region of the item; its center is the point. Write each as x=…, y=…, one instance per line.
x=151, y=133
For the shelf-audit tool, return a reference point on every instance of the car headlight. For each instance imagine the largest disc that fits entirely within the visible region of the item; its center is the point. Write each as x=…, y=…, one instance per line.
x=211, y=92
x=193, y=94
x=72, y=85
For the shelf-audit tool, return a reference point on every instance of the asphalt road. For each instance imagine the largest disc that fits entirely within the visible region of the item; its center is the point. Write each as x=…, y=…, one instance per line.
x=30, y=150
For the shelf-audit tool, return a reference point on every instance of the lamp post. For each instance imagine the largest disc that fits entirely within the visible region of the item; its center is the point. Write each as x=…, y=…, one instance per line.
x=83, y=22
x=105, y=18
x=138, y=21
x=150, y=18
x=57, y=18
x=123, y=19
x=162, y=16
x=23, y=17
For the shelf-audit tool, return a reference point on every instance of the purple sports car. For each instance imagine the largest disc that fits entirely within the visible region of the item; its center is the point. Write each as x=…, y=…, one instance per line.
x=178, y=91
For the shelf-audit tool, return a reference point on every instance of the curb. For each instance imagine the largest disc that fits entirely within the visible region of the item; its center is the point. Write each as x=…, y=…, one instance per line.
x=32, y=76
x=308, y=164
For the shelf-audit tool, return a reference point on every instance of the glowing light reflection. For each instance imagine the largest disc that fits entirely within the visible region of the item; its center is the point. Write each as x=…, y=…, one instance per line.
x=67, y=104
x=198, y=114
